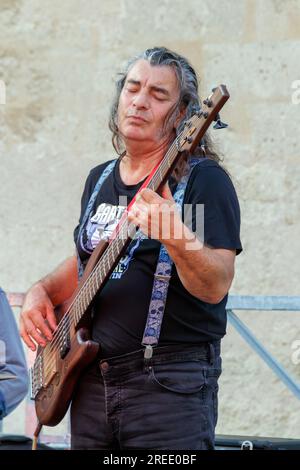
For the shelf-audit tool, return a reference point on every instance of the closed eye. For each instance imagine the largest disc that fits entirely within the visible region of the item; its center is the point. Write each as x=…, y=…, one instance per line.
x=131, y=89
x=159, y=98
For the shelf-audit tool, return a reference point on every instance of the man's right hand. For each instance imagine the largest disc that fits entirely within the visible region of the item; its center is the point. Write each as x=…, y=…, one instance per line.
x=37, y=318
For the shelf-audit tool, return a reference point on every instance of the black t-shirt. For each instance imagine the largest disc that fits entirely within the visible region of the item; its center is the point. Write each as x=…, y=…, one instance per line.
x=121, y=308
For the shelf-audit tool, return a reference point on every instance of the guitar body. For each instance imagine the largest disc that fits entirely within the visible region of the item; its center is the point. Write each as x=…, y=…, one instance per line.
x=52, y=402
x=55, y=394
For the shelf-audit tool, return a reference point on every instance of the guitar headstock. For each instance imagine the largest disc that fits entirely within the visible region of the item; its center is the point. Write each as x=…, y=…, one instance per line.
x=197, y=125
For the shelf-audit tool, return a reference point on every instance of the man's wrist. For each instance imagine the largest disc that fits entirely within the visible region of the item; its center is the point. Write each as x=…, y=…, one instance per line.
x=39, y=286
x=179, y=235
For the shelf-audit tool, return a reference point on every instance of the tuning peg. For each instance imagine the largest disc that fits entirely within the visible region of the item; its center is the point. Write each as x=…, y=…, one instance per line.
x=195, y=109
x=208, y=102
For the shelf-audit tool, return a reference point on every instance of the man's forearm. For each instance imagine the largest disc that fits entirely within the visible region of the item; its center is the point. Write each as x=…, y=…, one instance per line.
x=62, y=282
x=200, y=269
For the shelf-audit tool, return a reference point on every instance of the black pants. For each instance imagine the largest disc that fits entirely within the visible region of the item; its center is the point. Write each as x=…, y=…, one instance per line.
x=168, y=402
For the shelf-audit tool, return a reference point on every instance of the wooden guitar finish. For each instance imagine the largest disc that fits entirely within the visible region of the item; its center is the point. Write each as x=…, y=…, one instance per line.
x=53, y=398
x=58, y=366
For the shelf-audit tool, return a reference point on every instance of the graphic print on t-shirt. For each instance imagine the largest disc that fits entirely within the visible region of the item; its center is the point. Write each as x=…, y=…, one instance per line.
x=125, y=260
x=100, y=227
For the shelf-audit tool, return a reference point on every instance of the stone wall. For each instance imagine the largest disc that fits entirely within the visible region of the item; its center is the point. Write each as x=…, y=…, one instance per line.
x=58, y=61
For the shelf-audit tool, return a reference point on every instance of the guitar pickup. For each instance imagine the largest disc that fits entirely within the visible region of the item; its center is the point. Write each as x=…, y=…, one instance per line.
x=65, y=347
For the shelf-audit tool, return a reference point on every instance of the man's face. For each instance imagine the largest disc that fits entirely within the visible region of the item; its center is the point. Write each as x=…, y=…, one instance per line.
x=148, y=95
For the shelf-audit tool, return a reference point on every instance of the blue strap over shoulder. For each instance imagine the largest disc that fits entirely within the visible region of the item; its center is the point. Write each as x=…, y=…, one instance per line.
x=162, y=276
x=107, y=171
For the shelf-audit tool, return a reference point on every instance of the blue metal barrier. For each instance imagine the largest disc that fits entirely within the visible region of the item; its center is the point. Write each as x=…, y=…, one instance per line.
x=250, y=302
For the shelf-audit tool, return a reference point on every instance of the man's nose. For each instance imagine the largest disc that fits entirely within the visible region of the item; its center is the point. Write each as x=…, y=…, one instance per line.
x=141, y=100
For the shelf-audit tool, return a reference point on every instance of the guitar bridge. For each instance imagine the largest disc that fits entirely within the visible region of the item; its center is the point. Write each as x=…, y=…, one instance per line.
x=36, y=376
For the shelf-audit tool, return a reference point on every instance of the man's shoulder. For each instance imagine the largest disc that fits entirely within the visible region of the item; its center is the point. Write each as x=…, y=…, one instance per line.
x=209, y=178
x=96, y=171
x=93, y=177
x=208, y=171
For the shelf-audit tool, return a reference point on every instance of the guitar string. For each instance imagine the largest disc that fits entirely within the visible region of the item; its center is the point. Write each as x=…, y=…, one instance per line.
x=157, y=178
x=106, y=259
x=69, y=320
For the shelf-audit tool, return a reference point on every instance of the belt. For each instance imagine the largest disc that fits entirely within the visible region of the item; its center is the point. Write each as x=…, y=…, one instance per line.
x=208, y=351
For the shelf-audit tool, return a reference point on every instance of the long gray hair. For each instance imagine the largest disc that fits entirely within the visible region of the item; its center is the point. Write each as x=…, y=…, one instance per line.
x=188, y=100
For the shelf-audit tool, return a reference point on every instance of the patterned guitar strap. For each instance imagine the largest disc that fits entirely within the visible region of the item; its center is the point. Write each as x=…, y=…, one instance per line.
x=162, y=277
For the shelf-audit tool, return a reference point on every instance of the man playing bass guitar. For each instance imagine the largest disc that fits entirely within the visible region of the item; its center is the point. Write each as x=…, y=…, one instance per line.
x=157, y=393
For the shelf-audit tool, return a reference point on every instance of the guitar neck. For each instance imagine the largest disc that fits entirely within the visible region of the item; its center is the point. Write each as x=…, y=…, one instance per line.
x=188, y=139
